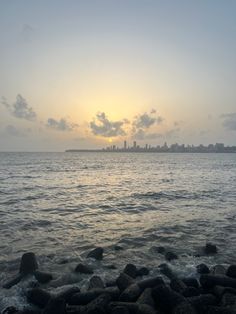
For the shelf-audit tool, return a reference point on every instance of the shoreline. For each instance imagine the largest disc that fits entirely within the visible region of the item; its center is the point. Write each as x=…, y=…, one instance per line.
x=133, y=289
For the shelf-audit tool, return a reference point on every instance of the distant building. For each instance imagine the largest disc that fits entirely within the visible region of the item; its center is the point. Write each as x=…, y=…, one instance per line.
x=125, y=145
x=135, y=145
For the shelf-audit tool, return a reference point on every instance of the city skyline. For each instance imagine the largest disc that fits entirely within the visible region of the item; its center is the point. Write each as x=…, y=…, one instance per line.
x=173, y=148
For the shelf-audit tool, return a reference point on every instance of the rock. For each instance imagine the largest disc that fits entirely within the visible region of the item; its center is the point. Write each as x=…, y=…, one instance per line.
x=142, y=271
x=83, y=269
x=228, y=299
x=130, y=270
x=131, y=293
x=96, y=283
x=184, y=308
x=166, y=299
x=123, y=281
x=169, y=256
x=210, y=248
x=10, y=310
x=83, y=298
x=219, y=291
x=98, y=305
x=150, y=282
x=68, y=293
x=220, y=310
x=209, y=281
x=28, y=263
x=190, y=292
x=120, y=310
x=201, y=302
x=42, y=277
x=191, y=282
x=167, y=271
x=231, y=271
x=218, y=270
x=133, y=308
x=177, y=285
x=55, y=306
x=12, y=282
x=38, y=297
x=203, y=269
x=97, y=253
x=146, y=298
x=118, y=248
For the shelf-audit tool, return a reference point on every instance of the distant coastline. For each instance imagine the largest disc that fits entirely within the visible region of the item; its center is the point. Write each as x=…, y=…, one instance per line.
x=174, y=148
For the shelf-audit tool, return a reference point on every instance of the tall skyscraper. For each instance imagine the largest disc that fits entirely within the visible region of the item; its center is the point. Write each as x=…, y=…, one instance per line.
x=125, y=145
x=135, y=144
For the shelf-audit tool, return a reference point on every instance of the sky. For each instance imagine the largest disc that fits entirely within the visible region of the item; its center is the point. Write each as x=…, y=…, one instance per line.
x=89, y=74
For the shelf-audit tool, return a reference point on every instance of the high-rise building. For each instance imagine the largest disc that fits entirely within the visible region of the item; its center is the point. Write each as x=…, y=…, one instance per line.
x=135, y=144
x=125, y=145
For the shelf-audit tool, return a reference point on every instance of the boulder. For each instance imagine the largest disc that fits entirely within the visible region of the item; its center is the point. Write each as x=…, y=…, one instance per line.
x=68, y=293
x=177, y=285
x=167, y=271
x=96, y=283
x=150, y=282
x=218, y=270
x=131, y=270
x=203, y=269
x=231, y=271
x=146, y=298
x=190, y=292
x=123, y=281
x=55, y=306
x=99, y=304
x=38, y=297
x=169, y=256
x=42, y=277
x=96, y=253
x=142, y=271
x=83, y=269
x=120, y=310
x=209, y=281
x=191, y=282
x=184, y=308
x=210, y=248
x=131, y=293
x=28, y=263
x=201, y=302
x=166, y=299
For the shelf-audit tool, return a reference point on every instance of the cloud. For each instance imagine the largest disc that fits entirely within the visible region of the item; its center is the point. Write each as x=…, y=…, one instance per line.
x=142, y=135
x=20, y=109
x=27, y=33
x=229, y=122
x=61, y=125
x=143, y=122
x=13, y=131
x=102, y=126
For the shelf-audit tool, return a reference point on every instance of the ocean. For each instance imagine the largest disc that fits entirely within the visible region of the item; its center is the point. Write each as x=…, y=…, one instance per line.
x=61, y=205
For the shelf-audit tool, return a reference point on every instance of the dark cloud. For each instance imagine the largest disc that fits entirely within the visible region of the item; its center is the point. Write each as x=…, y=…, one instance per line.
x=61, y=125
x=229, y=122
x=102, y=126
x=143, y=122
x=20, y=108
x=13, y=131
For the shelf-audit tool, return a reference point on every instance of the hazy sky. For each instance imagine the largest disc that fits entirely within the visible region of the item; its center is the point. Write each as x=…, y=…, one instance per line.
x=80, y=74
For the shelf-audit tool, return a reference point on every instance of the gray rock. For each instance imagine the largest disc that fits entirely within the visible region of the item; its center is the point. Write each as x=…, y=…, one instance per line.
x=97, y=253
x=83, y=269
x=96, y=283
x=28, y=263
x=42, y=277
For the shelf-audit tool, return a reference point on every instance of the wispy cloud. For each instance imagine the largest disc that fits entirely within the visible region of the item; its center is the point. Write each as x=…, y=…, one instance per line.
x=229, y=122
x=102, y=126
x=13, y=131
x=20, y=108
x=61, y=125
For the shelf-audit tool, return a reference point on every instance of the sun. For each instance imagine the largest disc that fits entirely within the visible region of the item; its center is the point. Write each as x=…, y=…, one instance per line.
x=110, y=140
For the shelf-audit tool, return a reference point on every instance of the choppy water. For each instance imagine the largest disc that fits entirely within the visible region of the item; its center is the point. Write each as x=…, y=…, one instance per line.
x=60, y=205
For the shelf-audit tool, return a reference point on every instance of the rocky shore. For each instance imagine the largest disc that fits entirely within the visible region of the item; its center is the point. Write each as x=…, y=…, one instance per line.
x=133, y=291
